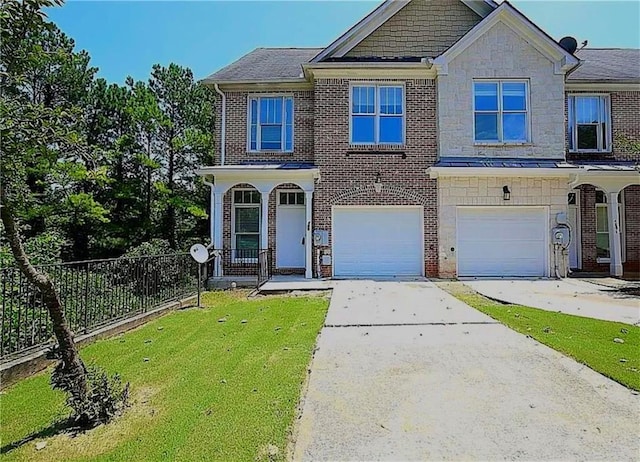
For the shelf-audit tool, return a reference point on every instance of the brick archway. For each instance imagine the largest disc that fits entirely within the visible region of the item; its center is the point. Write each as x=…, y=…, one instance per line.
x=388, y=190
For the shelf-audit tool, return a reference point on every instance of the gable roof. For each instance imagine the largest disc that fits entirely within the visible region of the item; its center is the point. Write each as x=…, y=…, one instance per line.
x=264, y=64
x=361, y=30
x=519, y=23
x=608, y=65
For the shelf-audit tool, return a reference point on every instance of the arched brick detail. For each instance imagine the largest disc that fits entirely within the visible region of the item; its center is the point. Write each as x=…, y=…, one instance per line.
x=388, y=190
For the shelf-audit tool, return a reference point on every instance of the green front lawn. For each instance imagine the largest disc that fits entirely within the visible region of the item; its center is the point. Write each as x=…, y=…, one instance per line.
x=201, y=389
x=588, y=341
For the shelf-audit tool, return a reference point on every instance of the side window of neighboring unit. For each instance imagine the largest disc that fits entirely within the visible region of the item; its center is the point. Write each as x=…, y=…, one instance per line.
x=589, y=123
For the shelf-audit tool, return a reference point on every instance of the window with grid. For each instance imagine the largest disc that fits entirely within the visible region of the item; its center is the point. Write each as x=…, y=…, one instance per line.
x=246, y=223
x=291, y=198
x=501, y=111
x=377, y=114
x=589, y=123
x=271, y=123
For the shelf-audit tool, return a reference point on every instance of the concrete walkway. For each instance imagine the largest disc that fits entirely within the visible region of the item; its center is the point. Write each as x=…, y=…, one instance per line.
x=406, y=372
x=569, y=296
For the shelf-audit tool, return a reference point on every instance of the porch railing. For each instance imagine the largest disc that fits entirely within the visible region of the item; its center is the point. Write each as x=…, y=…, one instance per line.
x=245, y=263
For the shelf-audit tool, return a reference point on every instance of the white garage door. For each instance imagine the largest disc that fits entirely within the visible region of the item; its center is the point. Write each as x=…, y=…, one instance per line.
x=509, y=241
x=377, y=241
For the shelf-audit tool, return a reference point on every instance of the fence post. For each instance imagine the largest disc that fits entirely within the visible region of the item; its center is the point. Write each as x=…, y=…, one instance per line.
x=86, y=299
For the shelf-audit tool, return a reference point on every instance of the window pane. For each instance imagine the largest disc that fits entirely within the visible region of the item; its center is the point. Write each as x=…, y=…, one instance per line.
x=600, y=197
x=247, y=219
x=283, y=198
x=602, y=245
x=254, y=197
x=288, y=140
x=514, y=96
x=300, y=198
x=587, y=110
x=486, y=127
x=237, y=197
x=288, y=105
x=587, y=136
x=371, y=100
x=363, y=100
x=486, y=96
x=362, y=129
x=271, y=110
x=271, y=137
x=602, y=222
x=390, y=129
x=253, y=145
x=248, y=243
x=254, y=111
x=514, y=126
x=390, y=100
x=571, y=122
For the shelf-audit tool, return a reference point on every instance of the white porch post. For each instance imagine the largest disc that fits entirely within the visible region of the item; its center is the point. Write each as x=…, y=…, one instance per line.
x=217, y=230
x=308, y=238
x=615, y=246
x=264, y=225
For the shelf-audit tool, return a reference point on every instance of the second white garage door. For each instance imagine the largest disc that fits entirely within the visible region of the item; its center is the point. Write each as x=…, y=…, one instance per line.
x=377, y=241
x=505, y=241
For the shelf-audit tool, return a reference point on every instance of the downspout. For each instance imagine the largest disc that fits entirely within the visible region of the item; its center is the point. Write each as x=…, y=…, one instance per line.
x=223, y=123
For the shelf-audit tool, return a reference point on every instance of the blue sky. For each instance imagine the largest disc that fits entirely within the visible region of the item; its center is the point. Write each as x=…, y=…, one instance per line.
x=128, y=37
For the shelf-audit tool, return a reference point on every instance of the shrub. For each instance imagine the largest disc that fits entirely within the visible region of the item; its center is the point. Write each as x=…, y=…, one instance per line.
x=106, y=396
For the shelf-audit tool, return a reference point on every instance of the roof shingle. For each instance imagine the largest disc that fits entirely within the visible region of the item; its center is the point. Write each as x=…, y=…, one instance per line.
x=607, y=64
x=266, y=64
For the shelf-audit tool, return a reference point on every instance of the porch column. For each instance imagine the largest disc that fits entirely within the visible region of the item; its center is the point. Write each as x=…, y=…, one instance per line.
x=217, y=230
x=615, y=246
x=264, y=225
x=308, y=238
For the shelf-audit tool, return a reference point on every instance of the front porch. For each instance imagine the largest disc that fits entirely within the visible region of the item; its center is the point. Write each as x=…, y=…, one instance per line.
x=261, y=221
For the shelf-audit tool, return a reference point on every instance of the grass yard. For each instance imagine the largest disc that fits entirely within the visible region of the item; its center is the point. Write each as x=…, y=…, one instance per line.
x=201, y=389
x=588, y=341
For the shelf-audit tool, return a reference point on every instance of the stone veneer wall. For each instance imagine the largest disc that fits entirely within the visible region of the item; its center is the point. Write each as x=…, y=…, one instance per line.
x=501, y=54
x=454, y=192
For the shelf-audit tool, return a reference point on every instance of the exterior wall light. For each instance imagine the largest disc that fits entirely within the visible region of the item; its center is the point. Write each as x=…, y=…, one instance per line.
x=506, y=194
x=378, y=183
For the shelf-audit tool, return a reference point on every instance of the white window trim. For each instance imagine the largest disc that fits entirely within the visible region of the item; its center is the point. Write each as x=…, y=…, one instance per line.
x=623, y=234
x=573, y=124
x=258, y=96
x=527, y=111
x=298, y=191
x=234, y=246
x=376, y=113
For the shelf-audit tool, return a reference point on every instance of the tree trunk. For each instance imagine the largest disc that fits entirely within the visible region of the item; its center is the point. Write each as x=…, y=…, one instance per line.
x=71, y=364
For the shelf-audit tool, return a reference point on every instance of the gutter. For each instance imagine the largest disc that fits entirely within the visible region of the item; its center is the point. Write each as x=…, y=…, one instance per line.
x=223, y=124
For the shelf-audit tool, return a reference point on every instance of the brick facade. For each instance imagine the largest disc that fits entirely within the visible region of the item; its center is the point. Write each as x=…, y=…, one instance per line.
x=236, y=129
x=423, y=28
x=348, y=172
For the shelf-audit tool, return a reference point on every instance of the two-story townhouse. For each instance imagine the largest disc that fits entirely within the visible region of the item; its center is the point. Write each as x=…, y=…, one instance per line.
x=435, y=137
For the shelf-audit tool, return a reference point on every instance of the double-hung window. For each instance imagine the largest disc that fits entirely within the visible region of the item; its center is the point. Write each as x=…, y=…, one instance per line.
x=501, y=111
x=589, y=123
x=270, y=123
x=246, y=224
x=377, y=114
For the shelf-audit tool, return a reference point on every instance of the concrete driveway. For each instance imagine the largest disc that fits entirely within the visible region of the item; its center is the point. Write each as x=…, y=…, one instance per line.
x=406, y=372
x=570, y=296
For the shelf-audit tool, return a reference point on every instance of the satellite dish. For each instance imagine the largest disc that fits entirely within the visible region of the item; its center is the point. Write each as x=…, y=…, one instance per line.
x=199, y=253
x=569, y=43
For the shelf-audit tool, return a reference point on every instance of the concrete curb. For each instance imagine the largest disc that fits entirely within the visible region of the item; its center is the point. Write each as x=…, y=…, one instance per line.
x=25, y=366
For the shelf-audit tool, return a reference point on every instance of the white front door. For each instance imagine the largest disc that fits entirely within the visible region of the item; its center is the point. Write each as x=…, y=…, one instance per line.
x=290, y=229
x=502, y=241
x=573, y=218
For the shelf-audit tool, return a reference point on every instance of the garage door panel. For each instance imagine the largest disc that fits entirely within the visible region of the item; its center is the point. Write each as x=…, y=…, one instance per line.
x=380, y=241
x=502, y=242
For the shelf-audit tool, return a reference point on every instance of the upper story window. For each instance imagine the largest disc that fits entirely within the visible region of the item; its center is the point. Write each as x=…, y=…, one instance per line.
x=589, y=123
x=377, y=114
x=501, y=111
x=270, y=123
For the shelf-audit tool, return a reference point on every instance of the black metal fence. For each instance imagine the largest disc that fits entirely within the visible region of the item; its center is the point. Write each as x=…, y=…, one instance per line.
x=94, y=293
x=250, y=263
